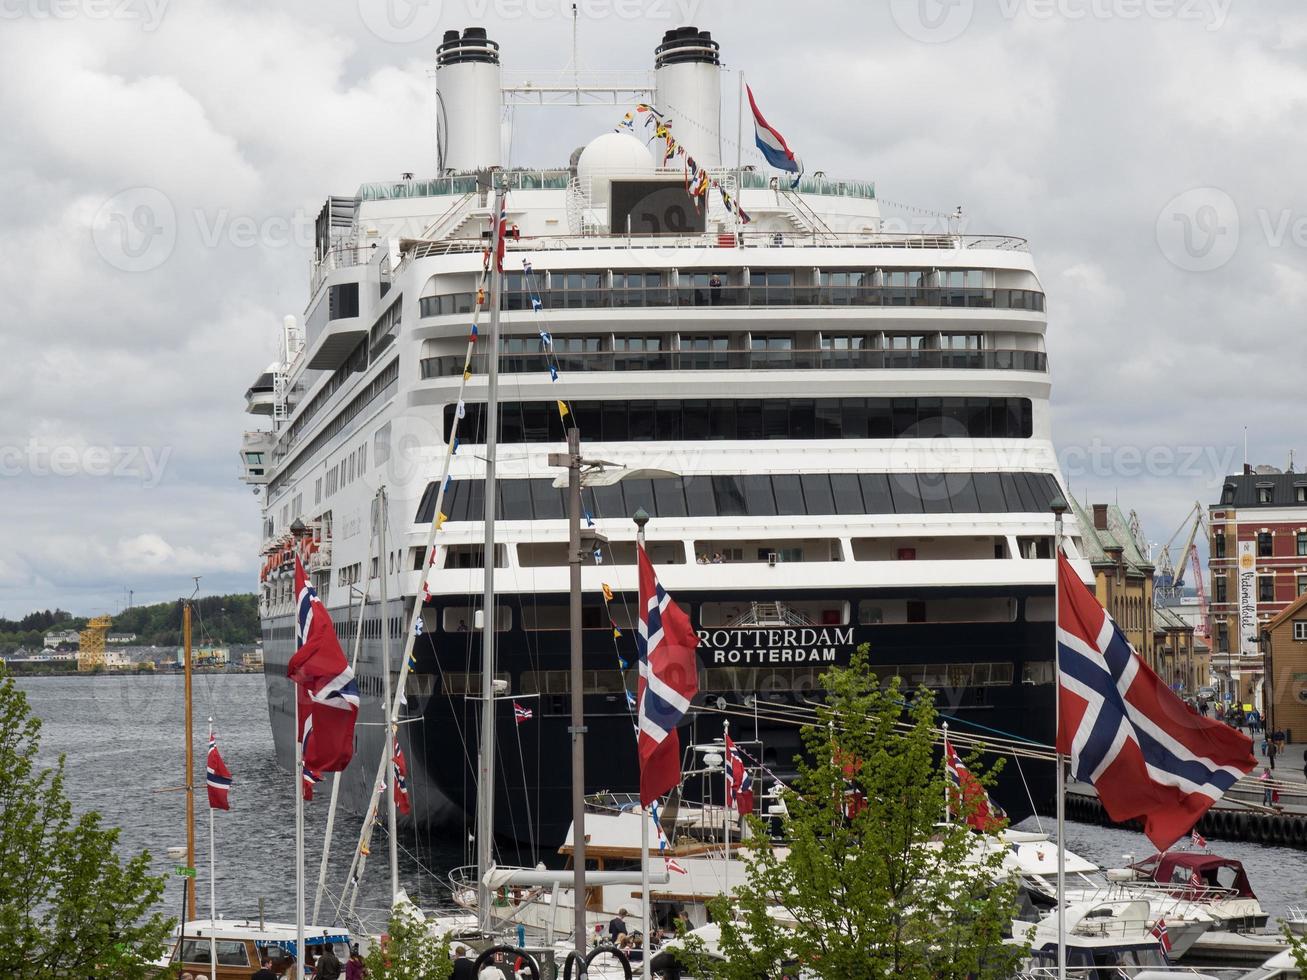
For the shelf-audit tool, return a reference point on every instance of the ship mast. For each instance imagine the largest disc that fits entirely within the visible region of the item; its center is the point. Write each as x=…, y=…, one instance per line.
x=485, y=833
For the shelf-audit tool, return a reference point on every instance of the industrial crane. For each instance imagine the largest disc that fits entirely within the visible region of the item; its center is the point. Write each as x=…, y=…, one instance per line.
x=1172, y=571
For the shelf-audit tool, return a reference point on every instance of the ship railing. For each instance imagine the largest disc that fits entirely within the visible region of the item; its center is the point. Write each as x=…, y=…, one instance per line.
x=339, y=257
x=1122, y=972
x=451, y=365
x=727, y=295
x=1181, y=891
x=746, y=238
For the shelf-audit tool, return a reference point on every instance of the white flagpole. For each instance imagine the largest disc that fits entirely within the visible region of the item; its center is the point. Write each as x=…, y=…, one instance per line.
x=948, y=782
x=727, y=771
x=1059, y=508
x=646, y=908
x=213, y=902
x=299, y=842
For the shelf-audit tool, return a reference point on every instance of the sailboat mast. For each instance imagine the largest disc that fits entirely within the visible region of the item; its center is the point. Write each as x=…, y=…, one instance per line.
x=383, y=516
x=190, y=754
x=486, y=761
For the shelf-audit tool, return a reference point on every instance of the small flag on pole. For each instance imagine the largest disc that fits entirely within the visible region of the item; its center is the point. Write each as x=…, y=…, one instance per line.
x=219, y=777
x=1160, y=934
x=311, y=779
x=401, y=779
x=1198, y=839
x=617, y=634
x=553, y=373
x=608, y=593
x=520, y=713
x=562, y=409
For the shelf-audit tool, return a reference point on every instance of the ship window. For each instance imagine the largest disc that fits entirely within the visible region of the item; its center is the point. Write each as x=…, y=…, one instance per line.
x=669, y=498
x=461, y=683
x=1039, y=609
x=462, y=619
x=847, y=493
x=343, y=301
x=759, y=498
x=548, y=503
x=817, y=497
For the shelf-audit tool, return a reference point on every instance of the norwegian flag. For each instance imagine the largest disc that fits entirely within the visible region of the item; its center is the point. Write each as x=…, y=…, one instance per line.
x=325, y=683
x=218, y=776
x=521, y=714
x=1127, y=733
x=739, y=781
x=675, y=866
x=309, y=780
x=400, y=768
x=500, y=239
x=967, y=793
x=1162, y=936
x=1195, y=879
x=1198, y=839
x=669, y=679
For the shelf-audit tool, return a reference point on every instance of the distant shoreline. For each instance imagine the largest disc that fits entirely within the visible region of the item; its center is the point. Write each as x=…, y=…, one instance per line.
x=106, y=674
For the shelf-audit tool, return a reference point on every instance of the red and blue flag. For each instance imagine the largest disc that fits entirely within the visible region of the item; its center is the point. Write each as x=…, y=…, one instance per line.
x=400, y=768
x=772, y=144
x=1127, y=733
x=218, y=777
x=968, y=795
x=669, y=680
x=739, y=781
x=327, y=693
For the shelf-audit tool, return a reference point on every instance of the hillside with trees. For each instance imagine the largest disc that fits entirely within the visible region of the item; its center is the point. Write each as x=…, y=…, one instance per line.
x=225, y=619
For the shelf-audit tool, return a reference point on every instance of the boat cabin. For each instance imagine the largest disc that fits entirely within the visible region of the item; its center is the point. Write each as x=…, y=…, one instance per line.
x=1194, y=873
x=240, y=944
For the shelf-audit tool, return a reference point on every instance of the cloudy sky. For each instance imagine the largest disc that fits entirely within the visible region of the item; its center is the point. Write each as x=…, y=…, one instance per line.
x=1151, y=150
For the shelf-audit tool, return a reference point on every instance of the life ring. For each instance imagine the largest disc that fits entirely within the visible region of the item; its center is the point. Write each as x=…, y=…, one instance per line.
x=489, y=954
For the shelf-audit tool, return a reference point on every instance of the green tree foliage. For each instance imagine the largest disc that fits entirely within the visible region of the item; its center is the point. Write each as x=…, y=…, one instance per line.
x=410, y=951
x=873, y=884
x=222, y=619
x=68, y=906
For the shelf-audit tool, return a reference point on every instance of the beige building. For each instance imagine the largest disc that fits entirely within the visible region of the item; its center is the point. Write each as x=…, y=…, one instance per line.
x=1123, y=575
x=1182, y=660
x=1284, y=644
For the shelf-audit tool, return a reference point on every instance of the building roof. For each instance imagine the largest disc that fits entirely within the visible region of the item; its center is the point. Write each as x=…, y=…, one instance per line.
x=1165, y=618
x=1240, y=490
x=1117, y=535
x=1290, y=611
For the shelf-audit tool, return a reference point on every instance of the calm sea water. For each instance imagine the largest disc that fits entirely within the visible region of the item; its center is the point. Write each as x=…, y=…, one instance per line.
x=122, y=737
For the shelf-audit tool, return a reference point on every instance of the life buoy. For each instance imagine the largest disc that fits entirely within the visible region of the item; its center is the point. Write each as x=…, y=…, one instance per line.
x=528, y=961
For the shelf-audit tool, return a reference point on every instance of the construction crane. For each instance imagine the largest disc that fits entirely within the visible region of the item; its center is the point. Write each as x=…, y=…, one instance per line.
x=90, y=651
x=1171, y=571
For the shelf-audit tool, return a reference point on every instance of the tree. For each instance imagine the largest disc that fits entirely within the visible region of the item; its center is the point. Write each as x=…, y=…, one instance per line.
x=409, y=950
x=68, y=906
x=873, y=883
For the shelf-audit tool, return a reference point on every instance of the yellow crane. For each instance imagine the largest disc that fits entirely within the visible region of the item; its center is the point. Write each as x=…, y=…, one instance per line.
x=90, y=652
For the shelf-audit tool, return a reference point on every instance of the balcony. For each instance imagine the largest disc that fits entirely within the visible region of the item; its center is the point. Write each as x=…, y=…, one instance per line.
x=736, y=297
x=451, y=365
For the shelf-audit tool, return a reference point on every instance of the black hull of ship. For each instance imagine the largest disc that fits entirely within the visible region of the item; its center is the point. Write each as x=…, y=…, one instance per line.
x=440, y=733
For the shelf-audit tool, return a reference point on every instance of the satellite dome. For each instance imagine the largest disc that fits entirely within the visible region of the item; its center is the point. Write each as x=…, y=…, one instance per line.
x=608, y=156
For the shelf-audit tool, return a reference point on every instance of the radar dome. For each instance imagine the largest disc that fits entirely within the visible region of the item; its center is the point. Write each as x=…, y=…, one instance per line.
x=608, y=156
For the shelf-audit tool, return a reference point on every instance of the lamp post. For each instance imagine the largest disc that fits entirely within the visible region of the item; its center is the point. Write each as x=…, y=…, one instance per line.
x=581, y=541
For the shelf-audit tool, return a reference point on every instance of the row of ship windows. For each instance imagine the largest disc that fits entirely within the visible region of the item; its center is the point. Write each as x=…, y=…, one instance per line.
x=533, y=616
x=711, y=419
x=760, y=495
x=754, y=680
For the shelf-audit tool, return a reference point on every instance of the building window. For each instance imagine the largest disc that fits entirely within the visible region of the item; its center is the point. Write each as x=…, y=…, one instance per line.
x=1222, y=638
x=1302, y=584
x=1300, y=629
x=1265, y=494
x=1302, y=543
x=1300, y=493
x=1264, y=544
x=1227, y=494
x=1218, y=544
x=1219, y=589
x=1266, y=588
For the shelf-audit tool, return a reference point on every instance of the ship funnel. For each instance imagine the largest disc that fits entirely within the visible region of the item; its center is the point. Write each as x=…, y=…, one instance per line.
x=688, y=91
x=468, y=101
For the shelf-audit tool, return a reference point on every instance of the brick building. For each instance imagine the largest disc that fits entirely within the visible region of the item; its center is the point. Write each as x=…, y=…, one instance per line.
x=1123, y=575
x=1258, y=567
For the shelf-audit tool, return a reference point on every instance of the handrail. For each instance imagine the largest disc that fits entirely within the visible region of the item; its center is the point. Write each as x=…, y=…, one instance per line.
x=451, y=365
x=733, y=295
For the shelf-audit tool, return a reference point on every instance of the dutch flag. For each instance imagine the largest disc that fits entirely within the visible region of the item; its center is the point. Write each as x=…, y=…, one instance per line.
x=772, y=144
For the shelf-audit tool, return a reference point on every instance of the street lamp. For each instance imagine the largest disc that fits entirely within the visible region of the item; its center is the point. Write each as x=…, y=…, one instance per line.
x=581, y=541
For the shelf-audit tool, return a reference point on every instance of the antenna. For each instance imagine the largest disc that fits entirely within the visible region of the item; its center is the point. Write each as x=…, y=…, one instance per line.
x=576, y=53
x=1245, y=447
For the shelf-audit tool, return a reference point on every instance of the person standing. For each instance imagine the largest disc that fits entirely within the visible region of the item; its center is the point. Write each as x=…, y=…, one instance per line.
x=354, y=968
x=1271, y=752
x=264, y=972
x=464, y=968
x=328, y=967
x=617, y=927
x=1266, y=789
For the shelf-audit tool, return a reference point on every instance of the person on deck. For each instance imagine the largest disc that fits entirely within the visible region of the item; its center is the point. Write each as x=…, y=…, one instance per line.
x=264, y=972
x=617, y=927
x=329, y=967
x=464, y=968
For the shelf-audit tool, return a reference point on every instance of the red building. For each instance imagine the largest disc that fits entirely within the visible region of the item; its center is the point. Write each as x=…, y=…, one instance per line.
x=1258, y=566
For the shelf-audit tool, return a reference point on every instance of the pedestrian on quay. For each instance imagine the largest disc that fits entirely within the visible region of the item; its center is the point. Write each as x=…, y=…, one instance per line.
x=354, y=968
x=329, y=967
x=464, y=968
x=1271, y=752
x=1266, y=789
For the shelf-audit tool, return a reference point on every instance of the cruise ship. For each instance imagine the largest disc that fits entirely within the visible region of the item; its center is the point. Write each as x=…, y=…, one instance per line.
x=851, y=425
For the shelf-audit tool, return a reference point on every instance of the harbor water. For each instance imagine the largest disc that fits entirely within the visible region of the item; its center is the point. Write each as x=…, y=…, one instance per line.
x=122, y=739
